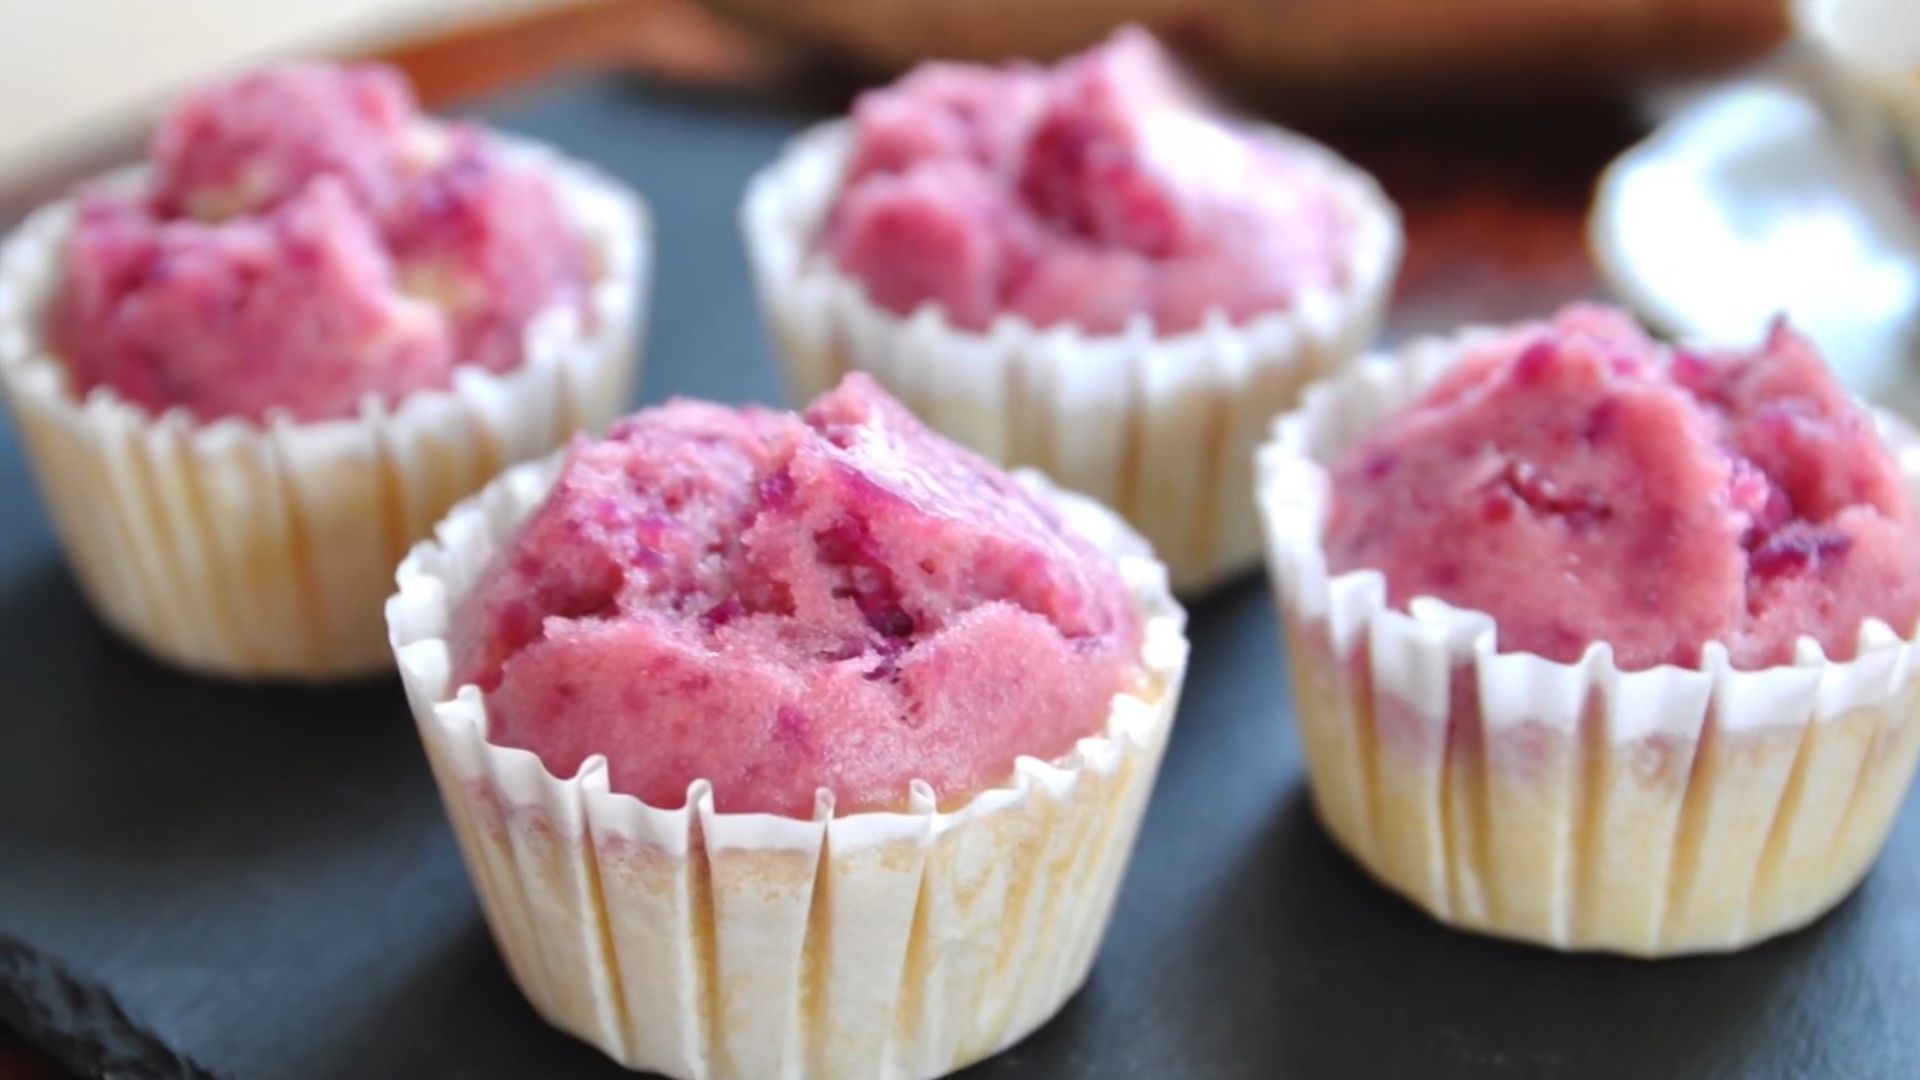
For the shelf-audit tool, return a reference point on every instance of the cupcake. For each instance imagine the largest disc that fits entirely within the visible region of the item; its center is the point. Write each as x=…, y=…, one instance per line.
x=250, y=372
x=804, y=746
x=1599, y=644
x=1086, y=269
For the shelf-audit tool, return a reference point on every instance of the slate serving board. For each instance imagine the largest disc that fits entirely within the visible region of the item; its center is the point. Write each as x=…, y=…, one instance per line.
x=197, y=878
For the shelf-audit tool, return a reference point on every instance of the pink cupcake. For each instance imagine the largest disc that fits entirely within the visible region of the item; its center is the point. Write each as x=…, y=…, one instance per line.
x=779, y=745
x=1086, y=269
x=250, y=372
x=1596, y=643
x=790, y=746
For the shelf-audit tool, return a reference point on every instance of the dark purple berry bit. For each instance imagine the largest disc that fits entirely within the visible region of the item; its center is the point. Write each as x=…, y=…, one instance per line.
x=1533, y=362
x=723, y=613
x=891, y=621
x=850, y=546
x=1797, y=551
x=776, y=489
x=1578, y=510
x=1601, y=421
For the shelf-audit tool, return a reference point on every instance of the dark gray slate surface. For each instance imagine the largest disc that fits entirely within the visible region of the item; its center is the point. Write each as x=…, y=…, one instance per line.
x=258, y=882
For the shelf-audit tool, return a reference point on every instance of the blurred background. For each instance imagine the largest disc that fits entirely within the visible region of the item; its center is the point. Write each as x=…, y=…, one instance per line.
x=78, y=72
x=1488, y=120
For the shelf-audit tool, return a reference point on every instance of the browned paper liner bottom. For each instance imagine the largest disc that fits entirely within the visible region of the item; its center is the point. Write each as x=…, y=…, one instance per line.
x=700, y=944
x=251, y=551
x=1161, y=429
x=1575, y=805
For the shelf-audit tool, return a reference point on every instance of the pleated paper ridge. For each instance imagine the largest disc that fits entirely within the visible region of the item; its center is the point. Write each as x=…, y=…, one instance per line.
x=1160, y=428
x=702, y=944
x=1574, y=805
x=252, y=550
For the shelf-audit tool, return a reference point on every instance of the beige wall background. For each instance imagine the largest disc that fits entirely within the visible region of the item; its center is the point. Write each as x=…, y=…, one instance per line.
x=73, y=71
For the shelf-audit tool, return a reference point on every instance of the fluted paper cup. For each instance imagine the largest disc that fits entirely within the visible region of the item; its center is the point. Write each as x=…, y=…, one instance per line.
x=266, y=550
x=1161, y=428
x=1573, y=805
x=709, y=945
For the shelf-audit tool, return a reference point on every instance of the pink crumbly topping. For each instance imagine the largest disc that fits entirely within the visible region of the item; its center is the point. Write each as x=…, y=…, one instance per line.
x=309, y=240
x=780, y=604
x=1089, y=194
x=293, y=309
x=1580, y=483
x=249, y=144
x=487, y=244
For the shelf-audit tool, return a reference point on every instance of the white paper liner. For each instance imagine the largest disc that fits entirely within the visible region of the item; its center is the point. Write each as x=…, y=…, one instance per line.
x=256, y=551
x=1575, y=805
x=1162, y=429
x=700, y=944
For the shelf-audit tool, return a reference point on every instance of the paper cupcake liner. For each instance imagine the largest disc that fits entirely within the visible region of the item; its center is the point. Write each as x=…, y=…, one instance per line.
x=1573, y=805
x=700, y=944
x=1162, y=429
x=266, y=551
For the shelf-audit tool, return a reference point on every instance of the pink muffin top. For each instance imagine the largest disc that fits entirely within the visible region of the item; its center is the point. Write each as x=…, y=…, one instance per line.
x=250, y=143
x=1089, y=194
x=306, y=240
x=1581, y=484
x=782, y=603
